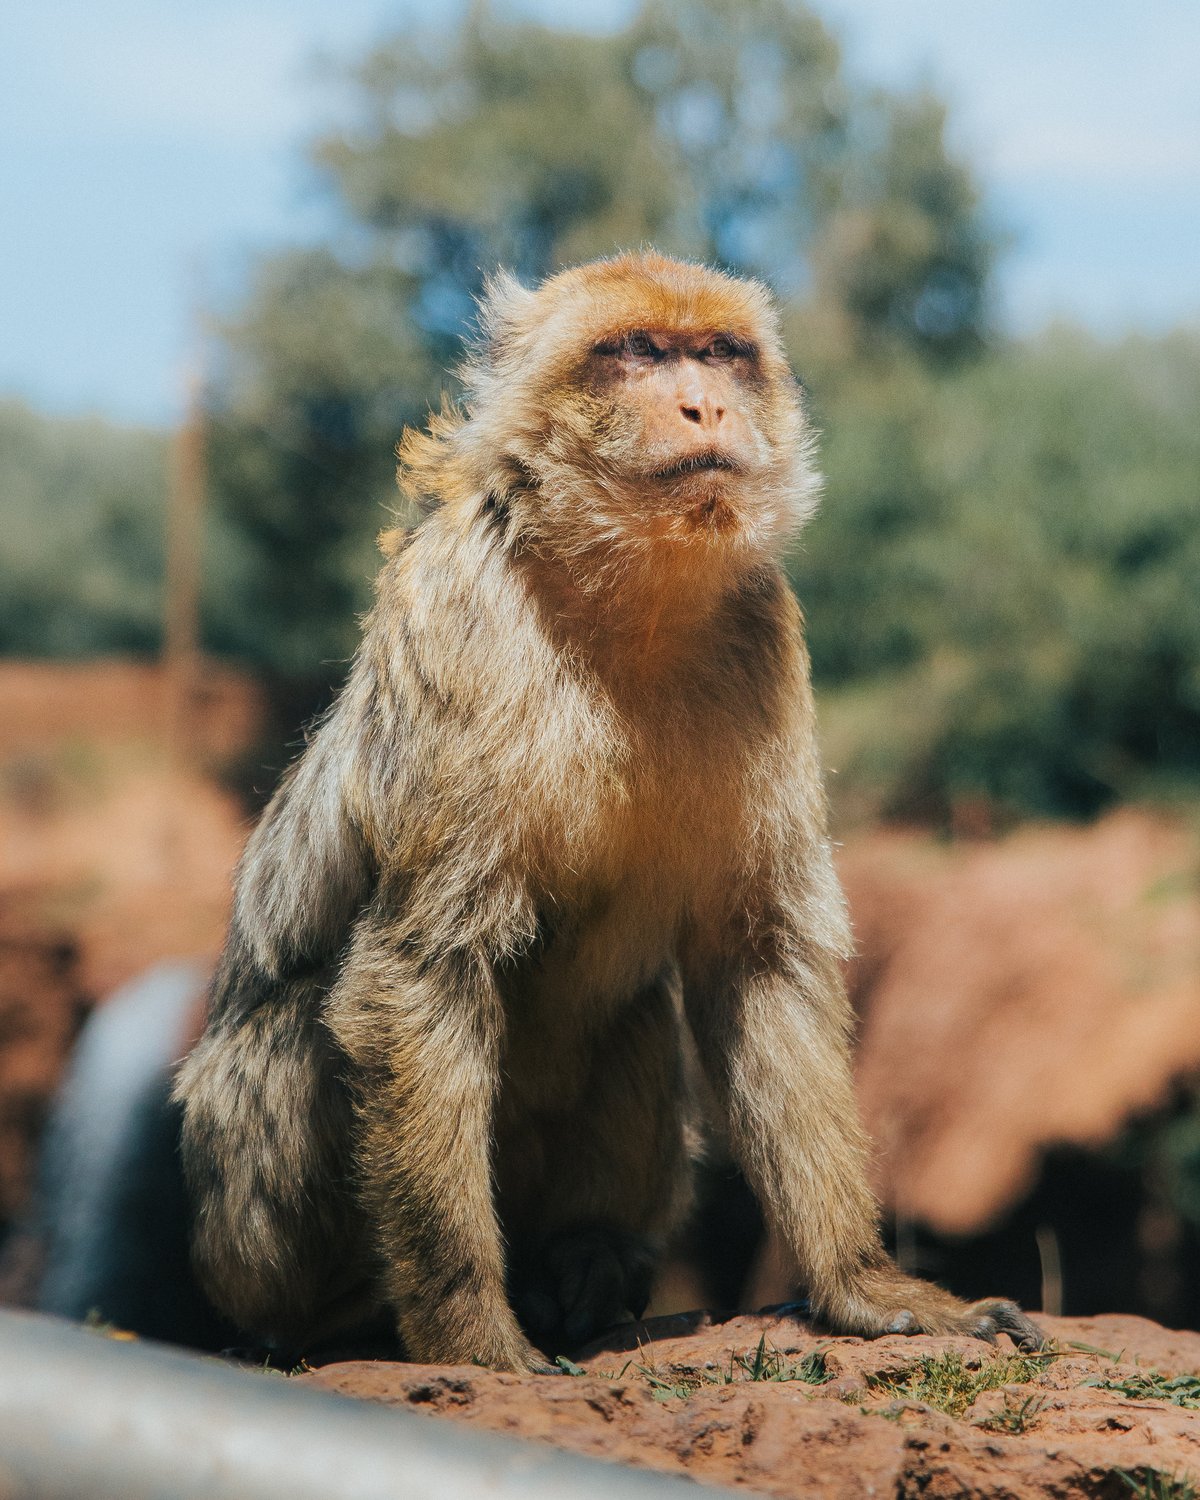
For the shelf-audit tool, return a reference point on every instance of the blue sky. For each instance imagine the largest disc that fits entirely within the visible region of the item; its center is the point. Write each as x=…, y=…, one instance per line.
x=148, y=148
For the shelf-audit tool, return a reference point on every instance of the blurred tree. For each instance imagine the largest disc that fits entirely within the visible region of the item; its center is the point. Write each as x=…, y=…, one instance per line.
x=906, y=256
x=314, y=384
x=1001, y=584
x=82, y=560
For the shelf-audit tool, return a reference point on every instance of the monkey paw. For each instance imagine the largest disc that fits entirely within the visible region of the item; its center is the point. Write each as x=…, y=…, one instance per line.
x=581, y=1282
x=885, y=1301
x=977, y=1320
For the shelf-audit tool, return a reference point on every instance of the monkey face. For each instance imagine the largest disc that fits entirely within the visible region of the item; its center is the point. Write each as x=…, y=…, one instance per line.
x=681, y=424
x=634, y=406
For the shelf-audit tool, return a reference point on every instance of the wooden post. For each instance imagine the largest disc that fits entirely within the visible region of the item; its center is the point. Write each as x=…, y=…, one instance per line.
x=181, y=612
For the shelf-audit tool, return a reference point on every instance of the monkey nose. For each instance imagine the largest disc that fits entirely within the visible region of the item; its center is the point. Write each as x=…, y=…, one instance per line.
x=704, y=413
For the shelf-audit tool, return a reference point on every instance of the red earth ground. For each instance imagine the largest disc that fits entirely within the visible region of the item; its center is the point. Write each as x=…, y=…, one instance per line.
x=899, y=1417
x=112, y=856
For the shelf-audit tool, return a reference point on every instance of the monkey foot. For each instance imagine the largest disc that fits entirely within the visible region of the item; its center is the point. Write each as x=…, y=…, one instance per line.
x=979, y=1320
x=887, y=1301
x=581, y=1282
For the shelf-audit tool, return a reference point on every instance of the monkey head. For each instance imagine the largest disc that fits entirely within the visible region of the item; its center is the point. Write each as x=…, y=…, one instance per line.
x=638, y=406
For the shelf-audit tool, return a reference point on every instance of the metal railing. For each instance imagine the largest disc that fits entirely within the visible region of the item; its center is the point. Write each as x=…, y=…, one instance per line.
x=84, y=1417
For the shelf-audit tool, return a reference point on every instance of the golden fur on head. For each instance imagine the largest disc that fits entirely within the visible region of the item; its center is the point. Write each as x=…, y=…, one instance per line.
x=565, y=460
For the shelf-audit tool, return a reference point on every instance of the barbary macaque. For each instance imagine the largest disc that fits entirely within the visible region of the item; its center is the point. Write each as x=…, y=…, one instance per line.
x=568, y=803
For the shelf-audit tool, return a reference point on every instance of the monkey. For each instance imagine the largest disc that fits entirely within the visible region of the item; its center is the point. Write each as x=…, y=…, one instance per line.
x=565, y=821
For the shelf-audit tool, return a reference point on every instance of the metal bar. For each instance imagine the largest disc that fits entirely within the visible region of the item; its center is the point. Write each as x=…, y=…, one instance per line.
x=83, y=1417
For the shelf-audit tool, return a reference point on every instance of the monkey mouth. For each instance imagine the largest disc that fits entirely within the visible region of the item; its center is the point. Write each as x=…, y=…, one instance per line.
x=711, y=460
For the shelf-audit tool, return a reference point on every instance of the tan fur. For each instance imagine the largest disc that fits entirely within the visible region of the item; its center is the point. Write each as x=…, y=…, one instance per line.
x=569, y=795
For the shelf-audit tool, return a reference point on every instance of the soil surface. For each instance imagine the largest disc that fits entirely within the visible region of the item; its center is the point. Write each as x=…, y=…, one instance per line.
x=764, y=1404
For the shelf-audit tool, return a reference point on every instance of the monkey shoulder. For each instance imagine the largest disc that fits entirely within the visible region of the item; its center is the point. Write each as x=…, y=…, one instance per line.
x=458, y=644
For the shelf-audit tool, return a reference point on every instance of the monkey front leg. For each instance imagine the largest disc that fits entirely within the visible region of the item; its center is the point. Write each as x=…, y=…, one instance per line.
x=774, y=1040
x=423, y=1035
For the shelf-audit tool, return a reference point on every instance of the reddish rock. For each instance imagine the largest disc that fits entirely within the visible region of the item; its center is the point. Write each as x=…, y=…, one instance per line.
x=850, y=1436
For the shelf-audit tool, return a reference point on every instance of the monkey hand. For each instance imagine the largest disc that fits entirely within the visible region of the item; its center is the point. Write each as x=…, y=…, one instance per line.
x=883, y=1300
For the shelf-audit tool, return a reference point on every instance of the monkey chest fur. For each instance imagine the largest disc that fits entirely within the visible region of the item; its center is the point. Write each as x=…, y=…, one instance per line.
x=649, y=841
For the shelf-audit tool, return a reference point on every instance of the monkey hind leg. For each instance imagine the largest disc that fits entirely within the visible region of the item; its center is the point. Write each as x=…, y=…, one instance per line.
x=616, y=1183
x=277, y=1240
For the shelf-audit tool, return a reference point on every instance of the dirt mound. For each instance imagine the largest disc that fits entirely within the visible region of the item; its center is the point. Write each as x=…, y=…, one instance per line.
x=42, y=1005
x=133, y=860
x=110, y=860
x=102, y=835
x=44, y=703
x=1016, y=995
x=762, y=1403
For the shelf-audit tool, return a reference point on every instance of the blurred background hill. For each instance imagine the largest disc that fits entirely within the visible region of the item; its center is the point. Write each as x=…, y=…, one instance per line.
x=1000, y=587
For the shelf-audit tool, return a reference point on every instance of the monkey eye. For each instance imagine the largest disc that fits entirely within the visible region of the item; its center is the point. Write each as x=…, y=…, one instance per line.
x=636, y=345
x=720, y=348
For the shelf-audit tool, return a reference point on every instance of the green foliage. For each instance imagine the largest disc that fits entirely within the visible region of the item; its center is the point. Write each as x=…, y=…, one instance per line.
x=81, y=565
x=906, y=255
x=762, y=1363
x=1015, y=1416
x=672, y=1388
x=765, y=1362
x=1000, y=585
x=1159, y=1484
x=1153, y=1385
x=316, y=382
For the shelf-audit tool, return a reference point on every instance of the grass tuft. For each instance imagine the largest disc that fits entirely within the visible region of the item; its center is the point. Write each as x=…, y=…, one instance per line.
x=1113, y=1358
x=1016, y=1416
x=947, y=1383
x=1159, y=1484
x=763, y=1363
x=1153, y=1385
x=767, y=1363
